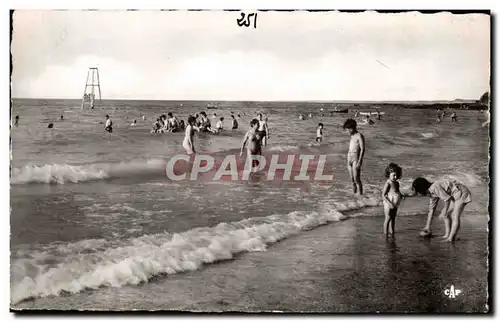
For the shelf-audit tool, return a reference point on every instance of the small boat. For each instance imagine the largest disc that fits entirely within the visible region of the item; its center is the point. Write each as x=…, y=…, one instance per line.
x=211, y=106
x=337, y=110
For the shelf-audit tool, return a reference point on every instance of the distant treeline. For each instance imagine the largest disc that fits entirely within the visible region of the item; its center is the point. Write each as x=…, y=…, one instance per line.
x=435, y=106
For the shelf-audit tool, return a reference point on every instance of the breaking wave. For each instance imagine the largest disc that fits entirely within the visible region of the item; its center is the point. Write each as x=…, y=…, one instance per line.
x=70, y=268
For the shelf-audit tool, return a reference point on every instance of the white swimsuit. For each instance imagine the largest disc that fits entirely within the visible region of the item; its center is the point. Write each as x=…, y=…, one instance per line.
x=185, y=143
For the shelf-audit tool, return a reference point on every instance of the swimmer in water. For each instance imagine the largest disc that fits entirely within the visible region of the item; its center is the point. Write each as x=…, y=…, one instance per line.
x=134, y=123
x=319, y=133
x=355, y=155
x=62, y=117
x=235, y=123
x=391, y=197
x=51, y=125
x=368, y=120
x=263, y=129
x=205, y=125
x=188, y=143
x=218, y=126
x=108, y=125
x=254, y=140
x=453, y=117
x=455, y=197
x=172, y=123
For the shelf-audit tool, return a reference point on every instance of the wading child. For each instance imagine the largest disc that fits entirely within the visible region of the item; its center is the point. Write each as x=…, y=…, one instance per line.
x=188, y=143
x=391, y=196
x=319, y=133
x=355, y=155
x=455, y=197
x=254, y=139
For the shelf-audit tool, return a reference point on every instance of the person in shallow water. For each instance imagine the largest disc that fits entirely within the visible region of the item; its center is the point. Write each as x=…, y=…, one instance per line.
x=109, y=125
x=172, y=123
x=235, y=122
x=391, y=197
x=319, y=133
x=455, y=197
x=254, y=140
x=453, y=117
x=263, y=129
x=188, y=143
x=355, y=155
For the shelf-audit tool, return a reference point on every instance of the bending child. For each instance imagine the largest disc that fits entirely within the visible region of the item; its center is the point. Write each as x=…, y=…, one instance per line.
x=455, y=197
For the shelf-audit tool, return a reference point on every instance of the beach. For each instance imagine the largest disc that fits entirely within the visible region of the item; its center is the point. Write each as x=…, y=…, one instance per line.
x=348, y=267
x=95, y=225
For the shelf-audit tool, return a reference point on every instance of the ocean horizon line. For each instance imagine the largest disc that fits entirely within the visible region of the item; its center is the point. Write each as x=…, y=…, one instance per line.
x=454, y=101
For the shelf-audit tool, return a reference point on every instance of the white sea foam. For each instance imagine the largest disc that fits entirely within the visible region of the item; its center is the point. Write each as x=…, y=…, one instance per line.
x=65, y=173
x=75, y=267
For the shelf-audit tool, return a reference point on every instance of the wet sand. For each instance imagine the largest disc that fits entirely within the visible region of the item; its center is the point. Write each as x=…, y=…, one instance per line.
x=350, y=267
x=346, y=266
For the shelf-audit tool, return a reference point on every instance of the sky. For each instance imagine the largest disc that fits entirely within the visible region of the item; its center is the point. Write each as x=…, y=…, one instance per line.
x=205, y=55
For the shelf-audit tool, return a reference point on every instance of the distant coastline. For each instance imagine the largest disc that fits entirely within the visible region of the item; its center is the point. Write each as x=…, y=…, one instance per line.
x=454, y=104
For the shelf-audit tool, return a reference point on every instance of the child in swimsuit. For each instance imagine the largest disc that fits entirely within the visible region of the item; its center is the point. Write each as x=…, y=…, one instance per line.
x=391, y=196
x=188, y=143
x=455, y=197
x=263, y=129
x=319, y=133
x=109, y=125
x=355, y=155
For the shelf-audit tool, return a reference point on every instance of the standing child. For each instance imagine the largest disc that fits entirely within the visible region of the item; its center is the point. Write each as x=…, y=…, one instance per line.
x=188, y=142
x=263, y=129
x=455, y=197
x=355, y=155
x=319, y=133
x=109, y=125
x=391, y=196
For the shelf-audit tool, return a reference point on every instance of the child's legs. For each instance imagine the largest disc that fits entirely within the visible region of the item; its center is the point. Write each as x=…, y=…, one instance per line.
x=447, y=219
x=393, y=214
x=387, y=212
x=455, y=218
x=357, y=178
x=351, y=175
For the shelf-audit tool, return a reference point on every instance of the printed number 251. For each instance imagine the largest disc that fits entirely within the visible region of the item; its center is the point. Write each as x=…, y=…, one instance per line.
x=245, y=20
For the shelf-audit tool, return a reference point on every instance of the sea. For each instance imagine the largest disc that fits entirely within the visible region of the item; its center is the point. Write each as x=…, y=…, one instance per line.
x=94, y=217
